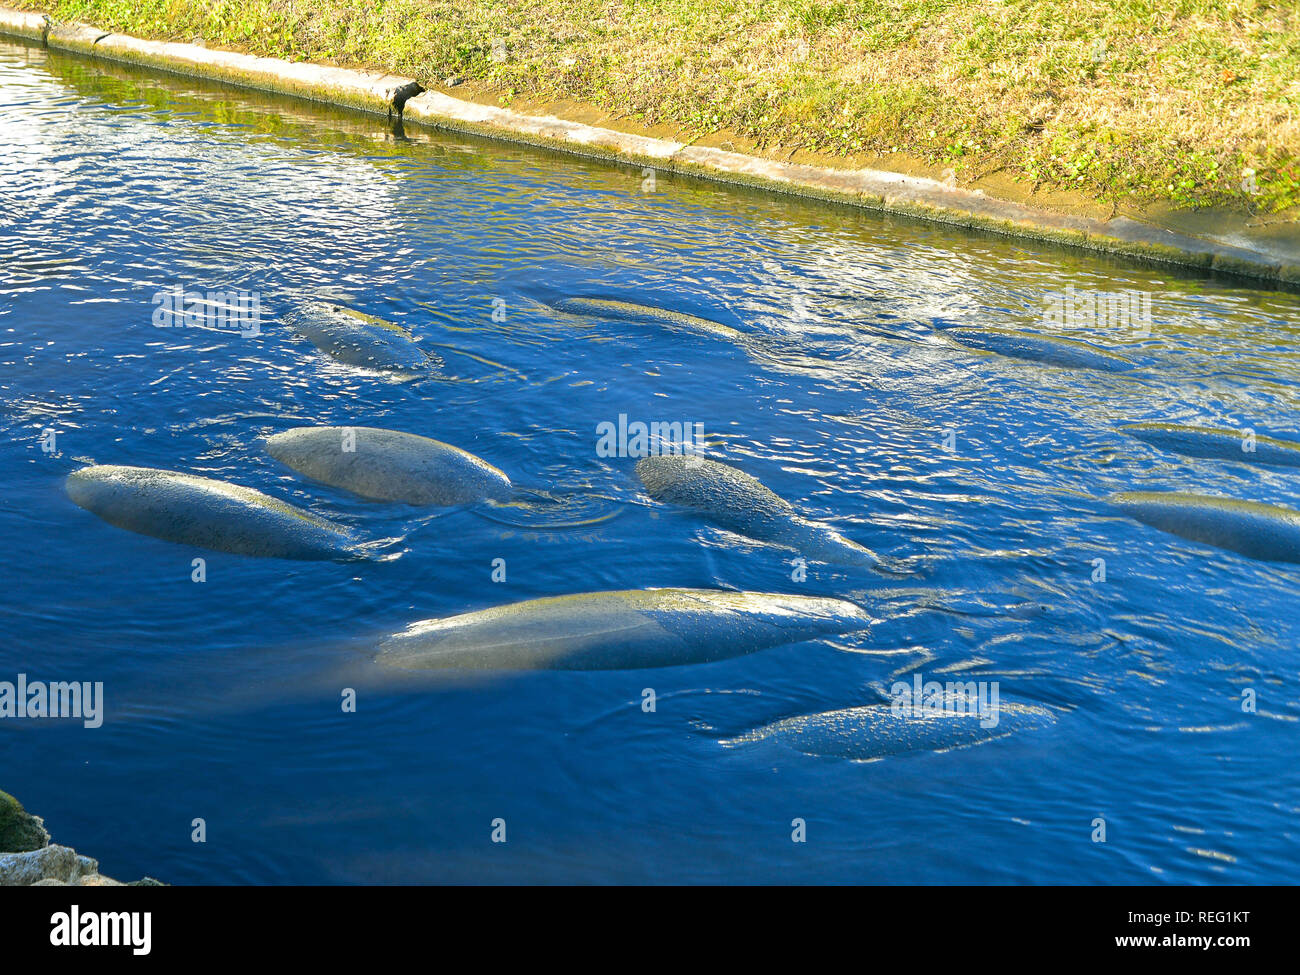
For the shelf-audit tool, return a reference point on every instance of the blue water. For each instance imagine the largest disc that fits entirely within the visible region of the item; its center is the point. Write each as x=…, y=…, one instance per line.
x=223, y=697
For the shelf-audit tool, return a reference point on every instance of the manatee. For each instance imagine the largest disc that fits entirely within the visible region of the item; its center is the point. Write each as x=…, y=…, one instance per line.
x=1258, y=531
x=388, y=465
x=631, y=312
x=1049, y=350
x=365, y=341
x=878, y=730
x=741, y=504
x=210, y=514
x=619, y=630
x=1216, y=444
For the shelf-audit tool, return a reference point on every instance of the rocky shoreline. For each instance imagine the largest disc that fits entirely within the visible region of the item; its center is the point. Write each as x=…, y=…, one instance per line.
x=29, y=859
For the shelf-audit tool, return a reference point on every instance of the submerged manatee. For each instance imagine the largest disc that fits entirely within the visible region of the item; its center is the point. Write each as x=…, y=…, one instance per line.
x=631, y=312
x=1049, y=350
x=388, y=465
x=361, y=340
x=1216, y=444
x=878, y=730
x=1258, y=531
x=740, y=503
x=210, y=514
x=619, y=630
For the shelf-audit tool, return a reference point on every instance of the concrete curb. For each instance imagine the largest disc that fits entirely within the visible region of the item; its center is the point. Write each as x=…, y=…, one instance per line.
x=338, y=86
x=874, y=189
x=15, y=23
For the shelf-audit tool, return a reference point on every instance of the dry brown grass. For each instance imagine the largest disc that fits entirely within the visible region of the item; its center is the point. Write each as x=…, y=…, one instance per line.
x=1176, y=100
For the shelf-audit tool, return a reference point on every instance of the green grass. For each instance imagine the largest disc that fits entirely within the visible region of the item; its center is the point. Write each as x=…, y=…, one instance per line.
x=1189, y=102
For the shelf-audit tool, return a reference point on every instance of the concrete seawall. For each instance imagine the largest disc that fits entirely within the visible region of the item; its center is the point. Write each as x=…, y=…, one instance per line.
x=381, y=94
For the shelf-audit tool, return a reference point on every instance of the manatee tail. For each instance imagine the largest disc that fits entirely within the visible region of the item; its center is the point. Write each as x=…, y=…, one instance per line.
x=377, y=550
x=822, y=544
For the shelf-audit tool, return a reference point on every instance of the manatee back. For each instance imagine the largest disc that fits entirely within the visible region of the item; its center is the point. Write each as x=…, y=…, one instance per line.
x=389, y=465
x=361, y=340
x=1258, y=531
x=1049, y=350
x=728, y=496
x=878, y=730
x=619, y=630
x=1216, y=444
x=204, y=512
x=631, y=312
x=590, y=632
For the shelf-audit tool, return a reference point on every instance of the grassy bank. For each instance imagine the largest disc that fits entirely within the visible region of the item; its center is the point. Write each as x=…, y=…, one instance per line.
x=1186, y=102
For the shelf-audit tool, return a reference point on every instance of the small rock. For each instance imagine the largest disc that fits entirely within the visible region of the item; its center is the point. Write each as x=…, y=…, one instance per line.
x=55, y=862
x=453, y=81
x=20, y=831
x=98, y=880
x=35, y=862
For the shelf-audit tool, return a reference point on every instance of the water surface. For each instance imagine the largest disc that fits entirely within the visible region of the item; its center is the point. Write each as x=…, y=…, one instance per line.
x=985, y=474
